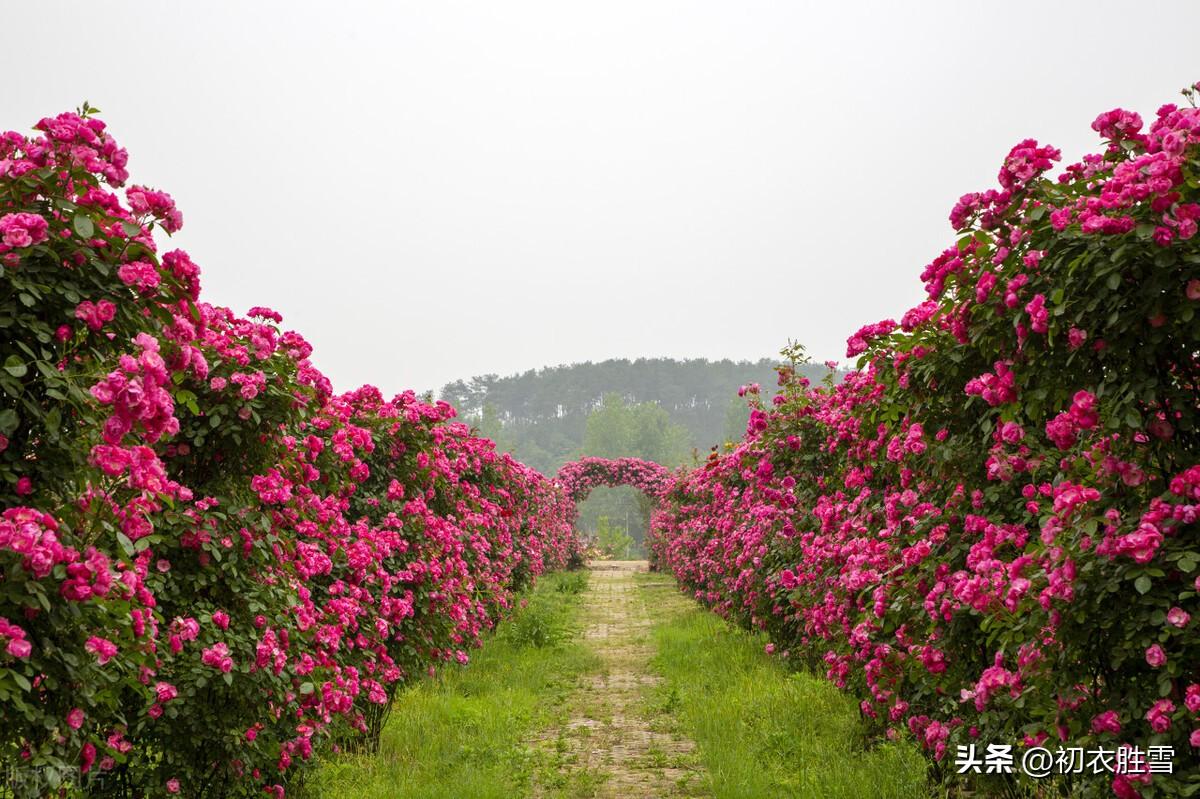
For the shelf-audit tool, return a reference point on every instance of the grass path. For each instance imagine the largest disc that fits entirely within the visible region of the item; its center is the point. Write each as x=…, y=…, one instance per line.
x=760, y=730
x=463, y=734
x=614, y=684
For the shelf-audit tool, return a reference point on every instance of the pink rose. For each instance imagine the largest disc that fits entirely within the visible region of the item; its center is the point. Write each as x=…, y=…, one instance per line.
x=19, y=648
x=87, y=756
x=1107, y=721
x=217, y=656
x=1178, y=617
x=102, y=648
x=1155, y=656
x=1192, y=698
x=1159, y=715
x=75, y=718
x=23, y=230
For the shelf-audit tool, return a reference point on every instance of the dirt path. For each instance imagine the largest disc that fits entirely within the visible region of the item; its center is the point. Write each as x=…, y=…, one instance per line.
x=614, y=744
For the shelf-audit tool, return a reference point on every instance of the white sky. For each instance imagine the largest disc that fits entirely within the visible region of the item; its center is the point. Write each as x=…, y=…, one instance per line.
x=435, y=190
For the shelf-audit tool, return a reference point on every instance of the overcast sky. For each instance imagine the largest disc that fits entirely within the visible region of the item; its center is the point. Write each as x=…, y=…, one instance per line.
x=435, y=190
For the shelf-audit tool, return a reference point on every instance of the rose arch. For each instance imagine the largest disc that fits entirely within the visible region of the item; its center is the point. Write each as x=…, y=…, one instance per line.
x=579, y=477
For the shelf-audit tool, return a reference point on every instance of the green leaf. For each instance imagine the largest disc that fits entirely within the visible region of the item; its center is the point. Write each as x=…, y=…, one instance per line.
x=131, y=229
x=306, y=688
x=9, y=419
x=20, y=680
x=1142, y=584
x=15, y=366
x=83, y=225
x=127, y=545
x=227, y=677
x=53, y=422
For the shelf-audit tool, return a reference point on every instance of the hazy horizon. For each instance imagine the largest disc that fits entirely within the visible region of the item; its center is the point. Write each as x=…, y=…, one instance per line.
x=433, y=192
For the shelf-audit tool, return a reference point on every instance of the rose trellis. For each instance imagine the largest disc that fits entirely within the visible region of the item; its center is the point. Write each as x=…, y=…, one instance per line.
x=578, y=478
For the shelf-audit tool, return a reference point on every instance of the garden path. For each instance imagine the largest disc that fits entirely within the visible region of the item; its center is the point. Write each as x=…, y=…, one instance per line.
x=614, y=739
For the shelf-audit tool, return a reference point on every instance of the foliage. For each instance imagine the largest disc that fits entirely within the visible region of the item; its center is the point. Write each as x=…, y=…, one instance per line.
x=210, y=563
x=989, y=532
x=614, y=542
x=618, y=429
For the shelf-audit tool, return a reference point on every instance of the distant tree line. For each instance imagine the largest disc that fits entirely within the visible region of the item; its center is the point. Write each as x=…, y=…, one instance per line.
x=541, y=415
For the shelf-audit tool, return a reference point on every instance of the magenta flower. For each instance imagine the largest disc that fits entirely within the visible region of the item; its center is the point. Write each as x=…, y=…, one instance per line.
x=1108, y=721
x=102, y=648
x=19, y=648
x=1159, y=715
x=218, y=657
x=87, y=756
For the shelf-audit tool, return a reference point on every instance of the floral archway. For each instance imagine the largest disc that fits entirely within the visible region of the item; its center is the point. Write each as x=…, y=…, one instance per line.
x=579, y=477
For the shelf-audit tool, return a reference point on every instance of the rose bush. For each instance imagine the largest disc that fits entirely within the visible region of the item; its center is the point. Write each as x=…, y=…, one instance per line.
x=211, y=563
x=988, y=532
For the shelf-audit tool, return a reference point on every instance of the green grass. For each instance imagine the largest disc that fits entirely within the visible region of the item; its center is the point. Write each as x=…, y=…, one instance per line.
x=760, y=730
x=466, y=733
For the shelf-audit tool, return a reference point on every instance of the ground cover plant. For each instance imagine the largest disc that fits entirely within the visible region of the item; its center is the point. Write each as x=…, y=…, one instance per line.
x=210, y=563
x=988, y=532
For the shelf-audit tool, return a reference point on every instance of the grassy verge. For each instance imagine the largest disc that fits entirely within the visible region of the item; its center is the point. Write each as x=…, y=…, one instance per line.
x=760, y=730
x=465, y=733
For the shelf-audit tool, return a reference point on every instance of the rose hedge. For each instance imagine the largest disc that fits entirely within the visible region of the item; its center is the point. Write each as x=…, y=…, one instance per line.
x=210, y=564
x=988, y=532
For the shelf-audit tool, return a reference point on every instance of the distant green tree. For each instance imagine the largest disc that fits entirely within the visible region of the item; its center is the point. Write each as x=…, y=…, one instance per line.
x=618, y=429
x=736, y=417
x=490, y=425
x=612, y=541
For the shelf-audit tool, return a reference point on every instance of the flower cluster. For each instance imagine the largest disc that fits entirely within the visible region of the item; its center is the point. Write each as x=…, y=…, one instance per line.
x=990, y=531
